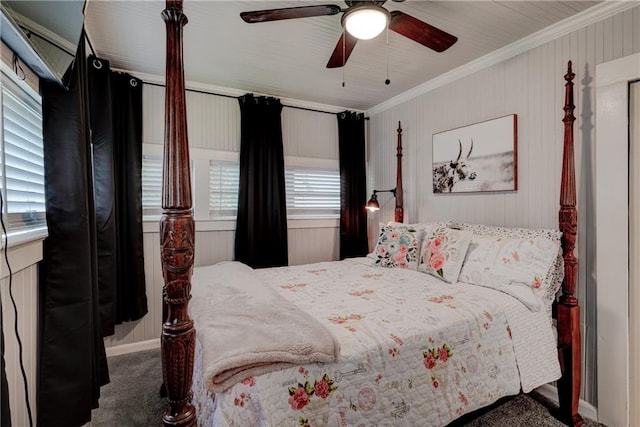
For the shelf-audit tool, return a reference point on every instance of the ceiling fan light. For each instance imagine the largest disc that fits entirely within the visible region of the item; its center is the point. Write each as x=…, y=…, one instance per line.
x=365, y=22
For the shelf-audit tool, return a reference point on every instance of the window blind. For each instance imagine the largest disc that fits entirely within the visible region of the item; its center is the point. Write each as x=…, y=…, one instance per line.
x=22, y=160
x=224, y=182
x=312, y=192
x=151, y=185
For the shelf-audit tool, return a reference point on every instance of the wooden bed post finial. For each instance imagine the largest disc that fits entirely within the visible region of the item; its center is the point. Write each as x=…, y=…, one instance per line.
x=399, y=211
x=176, y=233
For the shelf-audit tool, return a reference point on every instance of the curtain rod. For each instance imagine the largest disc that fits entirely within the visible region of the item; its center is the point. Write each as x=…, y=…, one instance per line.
x=236, y=97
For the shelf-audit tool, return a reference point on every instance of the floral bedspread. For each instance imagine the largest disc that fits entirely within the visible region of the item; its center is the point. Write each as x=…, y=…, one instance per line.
x=414, y=351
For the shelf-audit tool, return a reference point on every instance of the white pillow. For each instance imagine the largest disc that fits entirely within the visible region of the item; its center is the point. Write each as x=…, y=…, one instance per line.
x=443, y=251
x=516, y=266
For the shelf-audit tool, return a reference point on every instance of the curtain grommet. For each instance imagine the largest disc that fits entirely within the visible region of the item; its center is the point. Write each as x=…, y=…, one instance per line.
x=97, y=64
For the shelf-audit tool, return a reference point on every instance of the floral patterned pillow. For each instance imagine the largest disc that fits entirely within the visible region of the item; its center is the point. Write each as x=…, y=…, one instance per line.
x=397, y=247
x=417, y=226
x=442, y=252
x=516, y=266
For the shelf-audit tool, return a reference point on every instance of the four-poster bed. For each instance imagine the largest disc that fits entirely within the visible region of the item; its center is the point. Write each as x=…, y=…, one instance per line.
x=179, y=335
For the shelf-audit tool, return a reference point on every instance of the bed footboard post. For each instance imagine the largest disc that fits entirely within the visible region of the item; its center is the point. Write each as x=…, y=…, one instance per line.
x=176, y=233
x=569, y=345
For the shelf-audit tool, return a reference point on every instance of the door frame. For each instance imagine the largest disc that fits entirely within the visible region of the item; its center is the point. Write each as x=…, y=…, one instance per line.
x=612, y=236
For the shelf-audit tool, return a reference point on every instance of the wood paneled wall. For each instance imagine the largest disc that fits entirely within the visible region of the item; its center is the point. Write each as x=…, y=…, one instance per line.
x=25, y=292
x=214, y=123
x=530, y=85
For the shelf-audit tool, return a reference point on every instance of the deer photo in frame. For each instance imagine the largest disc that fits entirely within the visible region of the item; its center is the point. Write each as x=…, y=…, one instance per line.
x=478, y=157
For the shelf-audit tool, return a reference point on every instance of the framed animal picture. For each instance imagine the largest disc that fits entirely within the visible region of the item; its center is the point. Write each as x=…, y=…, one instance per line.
x=477, y=157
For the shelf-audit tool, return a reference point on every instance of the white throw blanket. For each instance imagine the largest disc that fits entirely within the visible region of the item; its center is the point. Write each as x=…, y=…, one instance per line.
x=246, y=329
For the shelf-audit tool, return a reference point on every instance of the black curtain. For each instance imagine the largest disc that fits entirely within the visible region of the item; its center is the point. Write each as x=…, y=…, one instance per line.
x=72, y=363
x=261, y=226
x=126, y=95
x=353, y=187
x=116, y=125
x=103, y=182
x=92, y=274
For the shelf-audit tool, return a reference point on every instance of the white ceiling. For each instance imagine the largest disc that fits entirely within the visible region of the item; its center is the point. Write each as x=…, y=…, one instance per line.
x=288, y=58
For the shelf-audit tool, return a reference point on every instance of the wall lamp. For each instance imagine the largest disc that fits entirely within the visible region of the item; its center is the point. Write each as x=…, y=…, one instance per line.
x=372, y=204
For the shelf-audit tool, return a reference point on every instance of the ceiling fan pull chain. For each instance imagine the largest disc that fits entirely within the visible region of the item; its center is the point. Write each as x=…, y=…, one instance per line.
x=344, y=38
x=387, y=81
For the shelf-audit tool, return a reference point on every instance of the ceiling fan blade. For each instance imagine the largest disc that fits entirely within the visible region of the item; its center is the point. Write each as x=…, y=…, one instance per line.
x=290, y=13
x=421, y=32
x=343, y=49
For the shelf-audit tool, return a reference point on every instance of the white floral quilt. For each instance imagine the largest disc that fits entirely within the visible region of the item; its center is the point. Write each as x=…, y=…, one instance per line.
x=414, y=351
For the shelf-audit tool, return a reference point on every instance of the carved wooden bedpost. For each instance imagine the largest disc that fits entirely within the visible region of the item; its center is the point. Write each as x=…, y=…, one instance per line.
x=176, y=233
x=568, y=309
x=399, y=211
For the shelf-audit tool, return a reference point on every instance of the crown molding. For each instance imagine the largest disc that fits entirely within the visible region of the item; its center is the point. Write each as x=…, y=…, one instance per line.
x=587, y=17
x=231, y=92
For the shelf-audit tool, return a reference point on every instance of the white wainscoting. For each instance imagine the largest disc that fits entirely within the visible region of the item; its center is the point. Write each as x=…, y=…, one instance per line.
x=25, y=291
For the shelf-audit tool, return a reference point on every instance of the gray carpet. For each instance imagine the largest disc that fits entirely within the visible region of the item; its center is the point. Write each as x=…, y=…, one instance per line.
x=132, y=400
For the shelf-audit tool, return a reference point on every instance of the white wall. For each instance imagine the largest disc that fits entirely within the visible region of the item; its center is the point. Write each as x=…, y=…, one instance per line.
x=214, y=124
x=530, y=85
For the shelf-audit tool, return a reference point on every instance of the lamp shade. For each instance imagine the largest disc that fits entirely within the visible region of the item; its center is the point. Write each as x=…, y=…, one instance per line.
x=372, y=204
x=366, y=21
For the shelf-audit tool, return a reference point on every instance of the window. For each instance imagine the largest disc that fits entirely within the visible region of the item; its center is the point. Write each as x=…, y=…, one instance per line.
x=224, y=182
x=151, y=185
x=21, y=158
x=312, y=192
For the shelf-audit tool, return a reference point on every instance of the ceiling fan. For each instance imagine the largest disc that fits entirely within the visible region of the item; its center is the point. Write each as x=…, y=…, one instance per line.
x=362, y=20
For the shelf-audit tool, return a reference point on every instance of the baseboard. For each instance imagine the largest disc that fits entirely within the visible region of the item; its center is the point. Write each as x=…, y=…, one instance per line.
x=117, y=350
x=586, y=409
